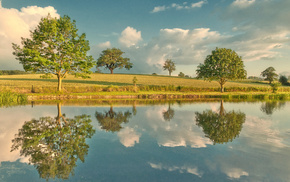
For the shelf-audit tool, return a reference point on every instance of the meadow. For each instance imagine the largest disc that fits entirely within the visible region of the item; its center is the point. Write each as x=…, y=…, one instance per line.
x=102, y=85
x=17, y=82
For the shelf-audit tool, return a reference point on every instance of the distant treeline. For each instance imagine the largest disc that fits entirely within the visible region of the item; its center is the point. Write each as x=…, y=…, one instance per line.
x=12, y=72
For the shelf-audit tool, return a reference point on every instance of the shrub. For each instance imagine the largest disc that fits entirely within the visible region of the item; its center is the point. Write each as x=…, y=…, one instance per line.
x=275, y=86
x=283, y=80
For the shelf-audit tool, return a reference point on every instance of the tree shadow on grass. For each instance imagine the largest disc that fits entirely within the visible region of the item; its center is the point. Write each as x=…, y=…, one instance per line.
x=71, y=81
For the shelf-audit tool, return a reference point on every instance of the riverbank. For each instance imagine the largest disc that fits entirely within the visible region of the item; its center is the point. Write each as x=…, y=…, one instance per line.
x=161, y=95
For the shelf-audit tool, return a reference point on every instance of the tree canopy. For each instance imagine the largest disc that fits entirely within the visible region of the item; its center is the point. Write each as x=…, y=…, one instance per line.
x=222, y=65
x=270, y=74
x=54, y=145
x=111, y=121
x=112, y=59
x=220, y=127
x=56, y=48
x=169, y=114
x=269, y=107
x=181, y=74
x=169, y=65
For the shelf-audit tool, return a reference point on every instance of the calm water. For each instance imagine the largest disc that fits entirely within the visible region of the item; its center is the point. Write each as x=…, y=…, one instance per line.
x=198, y=141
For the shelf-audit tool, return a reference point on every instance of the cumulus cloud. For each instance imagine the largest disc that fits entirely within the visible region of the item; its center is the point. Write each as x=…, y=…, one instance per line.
x=236, y=173
x=255, y=35
x=9, y=129
x=243, y=3
x=185, y=47
x=130, y=37
x=181, y=131
x=128, y=137
x=261, y=28
x=15, y=24
x=179, y=6
x=104, y=45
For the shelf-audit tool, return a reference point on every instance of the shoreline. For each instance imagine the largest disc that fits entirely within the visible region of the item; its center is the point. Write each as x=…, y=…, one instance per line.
x=163, y=96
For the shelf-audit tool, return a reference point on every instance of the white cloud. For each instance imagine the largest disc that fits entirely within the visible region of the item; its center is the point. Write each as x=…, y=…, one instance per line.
x=261, y=134
x=179, y=6
x=185, y=47
x=236, y=173
x=181, y=131
x=128, y=137
x=243, y=3
x=158, y=9
x=130, y=37
x=198, y=4
x=104, y=45
x=15, y=24
x=181, y=169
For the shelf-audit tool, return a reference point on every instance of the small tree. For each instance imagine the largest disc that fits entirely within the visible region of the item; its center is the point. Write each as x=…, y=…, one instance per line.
x=283, y=80
x=181, y=74
x=112, y=59
x=169, y=65
x=222, y=65
x=55, y=48
x=270, y=74
x=275, y=86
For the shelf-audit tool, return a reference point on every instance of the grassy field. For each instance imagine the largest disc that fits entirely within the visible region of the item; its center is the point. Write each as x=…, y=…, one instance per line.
x=26, y=81
x=121, y=86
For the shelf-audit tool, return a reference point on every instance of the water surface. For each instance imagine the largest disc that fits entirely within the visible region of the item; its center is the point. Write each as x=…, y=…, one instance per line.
x=198, y=141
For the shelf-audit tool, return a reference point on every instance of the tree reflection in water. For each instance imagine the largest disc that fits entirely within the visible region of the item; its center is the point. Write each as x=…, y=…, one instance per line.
x=220, y=127
x=270, y=106
x=111, y=121
x=54, y=145
x=169, y=114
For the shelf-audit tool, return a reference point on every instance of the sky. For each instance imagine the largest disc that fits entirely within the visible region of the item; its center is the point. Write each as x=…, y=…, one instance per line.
x=151, y=31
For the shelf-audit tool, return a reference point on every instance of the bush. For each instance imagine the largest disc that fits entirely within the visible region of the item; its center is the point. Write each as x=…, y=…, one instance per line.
x=283, y=80
x=275, y=86
x=181, y=74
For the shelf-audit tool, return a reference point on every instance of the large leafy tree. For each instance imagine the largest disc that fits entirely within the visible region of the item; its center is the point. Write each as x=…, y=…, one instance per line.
x=54, y=145
x=169, y=65
x=112, y=59
x=270, y=74
x=111, y=121
x=222, y=65
x=220, y=127
x=56, y=48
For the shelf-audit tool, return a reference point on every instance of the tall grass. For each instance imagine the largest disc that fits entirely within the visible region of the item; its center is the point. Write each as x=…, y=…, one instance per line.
x=8, y=98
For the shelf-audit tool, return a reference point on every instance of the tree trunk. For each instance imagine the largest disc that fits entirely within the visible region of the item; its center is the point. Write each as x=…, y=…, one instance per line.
x=111, y=71
x=59, y=83
x=59, y=115
x=169, y=73
x=222, y=83
x=222, y=110
x=222, y=88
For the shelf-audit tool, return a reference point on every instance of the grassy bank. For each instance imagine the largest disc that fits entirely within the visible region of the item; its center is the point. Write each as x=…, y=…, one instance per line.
x=8, y=98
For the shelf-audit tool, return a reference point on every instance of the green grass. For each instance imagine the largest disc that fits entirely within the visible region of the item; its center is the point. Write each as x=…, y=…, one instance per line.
x=24, y=82
x=8, y=98
x=148, y=86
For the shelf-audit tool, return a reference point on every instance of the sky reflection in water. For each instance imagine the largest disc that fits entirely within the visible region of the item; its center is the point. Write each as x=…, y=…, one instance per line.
x=162, y=142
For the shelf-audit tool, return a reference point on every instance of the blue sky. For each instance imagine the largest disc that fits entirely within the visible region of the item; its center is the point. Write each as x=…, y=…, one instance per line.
x=149, y=32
